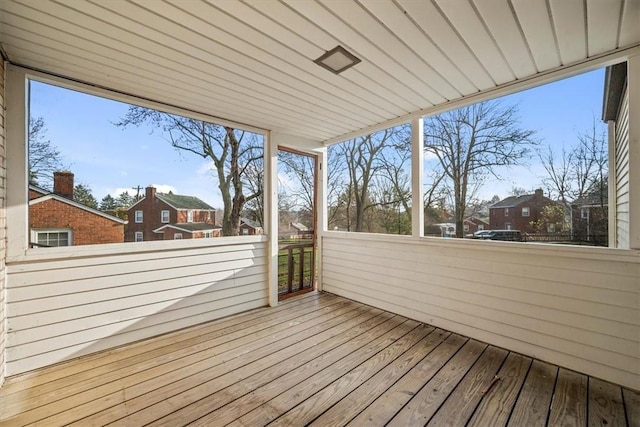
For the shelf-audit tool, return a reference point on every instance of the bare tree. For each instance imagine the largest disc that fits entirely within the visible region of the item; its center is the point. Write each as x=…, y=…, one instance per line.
x=471, y=142
x=580, y=170
x=233, y=153
x=370, y=161
x=44, y=157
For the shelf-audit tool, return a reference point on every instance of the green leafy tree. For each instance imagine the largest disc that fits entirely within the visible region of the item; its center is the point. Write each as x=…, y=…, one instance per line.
x=82, y=194
x=125, y=200
x=108, y=203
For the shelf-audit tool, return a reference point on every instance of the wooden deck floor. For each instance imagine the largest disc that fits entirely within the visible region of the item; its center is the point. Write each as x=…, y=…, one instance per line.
x=316, y=360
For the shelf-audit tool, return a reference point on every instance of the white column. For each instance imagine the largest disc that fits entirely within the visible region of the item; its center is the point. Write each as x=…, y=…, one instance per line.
x=322, y=210
x=633, y=84
x=16, y=92
x=271, y=214
x=417, y=172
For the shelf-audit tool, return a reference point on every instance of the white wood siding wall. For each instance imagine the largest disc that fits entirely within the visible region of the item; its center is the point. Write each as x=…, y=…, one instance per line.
x=622, y=173
x=3, y=222
x=576, y=307
x=59, y=309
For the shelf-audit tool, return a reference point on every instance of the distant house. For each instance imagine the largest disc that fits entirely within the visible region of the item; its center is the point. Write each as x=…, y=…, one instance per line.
x=473, y=224
x=517, y=212
x=167, y=216
x=55, y=219
x=590, y=218
x=249, y=227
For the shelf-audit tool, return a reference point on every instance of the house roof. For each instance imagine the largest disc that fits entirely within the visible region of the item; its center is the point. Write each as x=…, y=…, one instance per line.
x=75, y=204
x=184, y=202
x=512, y=201
x=250, y=223
x=299, y=226
x=189, y=227
x=416, y=56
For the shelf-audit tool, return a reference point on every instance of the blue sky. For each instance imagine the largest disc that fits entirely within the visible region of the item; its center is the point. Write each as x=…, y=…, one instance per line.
x=110, y=160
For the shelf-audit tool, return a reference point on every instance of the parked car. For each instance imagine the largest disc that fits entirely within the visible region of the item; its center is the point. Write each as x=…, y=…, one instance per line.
x=506, y=235
x=480, y=234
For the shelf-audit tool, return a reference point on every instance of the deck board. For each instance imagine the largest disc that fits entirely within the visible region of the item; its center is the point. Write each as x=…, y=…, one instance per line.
x=315, y=359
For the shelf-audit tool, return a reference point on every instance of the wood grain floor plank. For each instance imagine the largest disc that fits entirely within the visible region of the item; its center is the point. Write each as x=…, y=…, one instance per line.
x=163, y=401
x=98, y=398
x=75, y=376
x=462, y=402
x=350, y=406
x=569, y=404
x=632, y=406
x=312, y=407
x=606, y=406
x=232, y=402
x=287, y=399
x=499, y=398
x=426, y=402
x=532, y=406
x=391, y=401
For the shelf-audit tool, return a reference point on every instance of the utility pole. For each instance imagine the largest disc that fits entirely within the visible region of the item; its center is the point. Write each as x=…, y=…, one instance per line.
x=138, y=188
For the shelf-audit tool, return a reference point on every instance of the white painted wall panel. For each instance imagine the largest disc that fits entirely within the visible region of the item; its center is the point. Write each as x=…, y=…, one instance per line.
x=574, y=306
x=61, y=308
x=3, y=222
x=622, y=173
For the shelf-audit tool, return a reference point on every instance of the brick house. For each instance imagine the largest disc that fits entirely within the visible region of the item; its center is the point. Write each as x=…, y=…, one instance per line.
x=249, y=227
x=167, y=216
x=473, y=224
x=55, y=219
x=590, y=218
x=517, y=212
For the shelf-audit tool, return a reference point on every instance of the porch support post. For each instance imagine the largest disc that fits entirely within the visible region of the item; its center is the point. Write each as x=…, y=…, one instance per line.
x=322, y=210
x=271, y=214
x=633, y=82
x=417, y=172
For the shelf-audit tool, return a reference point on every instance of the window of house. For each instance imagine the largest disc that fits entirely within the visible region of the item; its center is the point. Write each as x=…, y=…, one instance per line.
x=466, y=227
x=369, y=182
x=177, y=236
x=208, y=234
x=189, y=216
x=480, y=227
x=506, y=211
x=584, y=213
x=51, y=238
x=139, y=236
x=245, y=231
x=551, y=228
x=525, y=211
x=507, y=226
x=138, y=218
x=164, y=217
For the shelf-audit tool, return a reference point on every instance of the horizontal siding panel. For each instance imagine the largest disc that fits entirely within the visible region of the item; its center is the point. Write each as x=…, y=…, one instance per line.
x=531, y=318
x=517, y=263
x=51, y=272
x=580, y=313
x=34, y=327
x=243, y=303
x=58, y=310
x=80, y=334
x=430, y=278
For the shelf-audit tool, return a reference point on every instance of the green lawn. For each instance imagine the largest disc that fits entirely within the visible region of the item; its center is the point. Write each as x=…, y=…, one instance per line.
x=283, y=255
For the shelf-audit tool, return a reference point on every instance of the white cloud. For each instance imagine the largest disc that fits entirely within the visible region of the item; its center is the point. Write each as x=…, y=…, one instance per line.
x=206, y=168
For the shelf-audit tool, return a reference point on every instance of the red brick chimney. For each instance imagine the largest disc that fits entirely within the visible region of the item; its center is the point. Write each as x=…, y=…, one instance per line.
x=63, y=184
x=539, y=192
x=150, y=193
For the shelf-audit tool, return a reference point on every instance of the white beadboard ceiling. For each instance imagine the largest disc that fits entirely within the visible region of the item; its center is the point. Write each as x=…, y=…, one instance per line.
x=251, y=61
